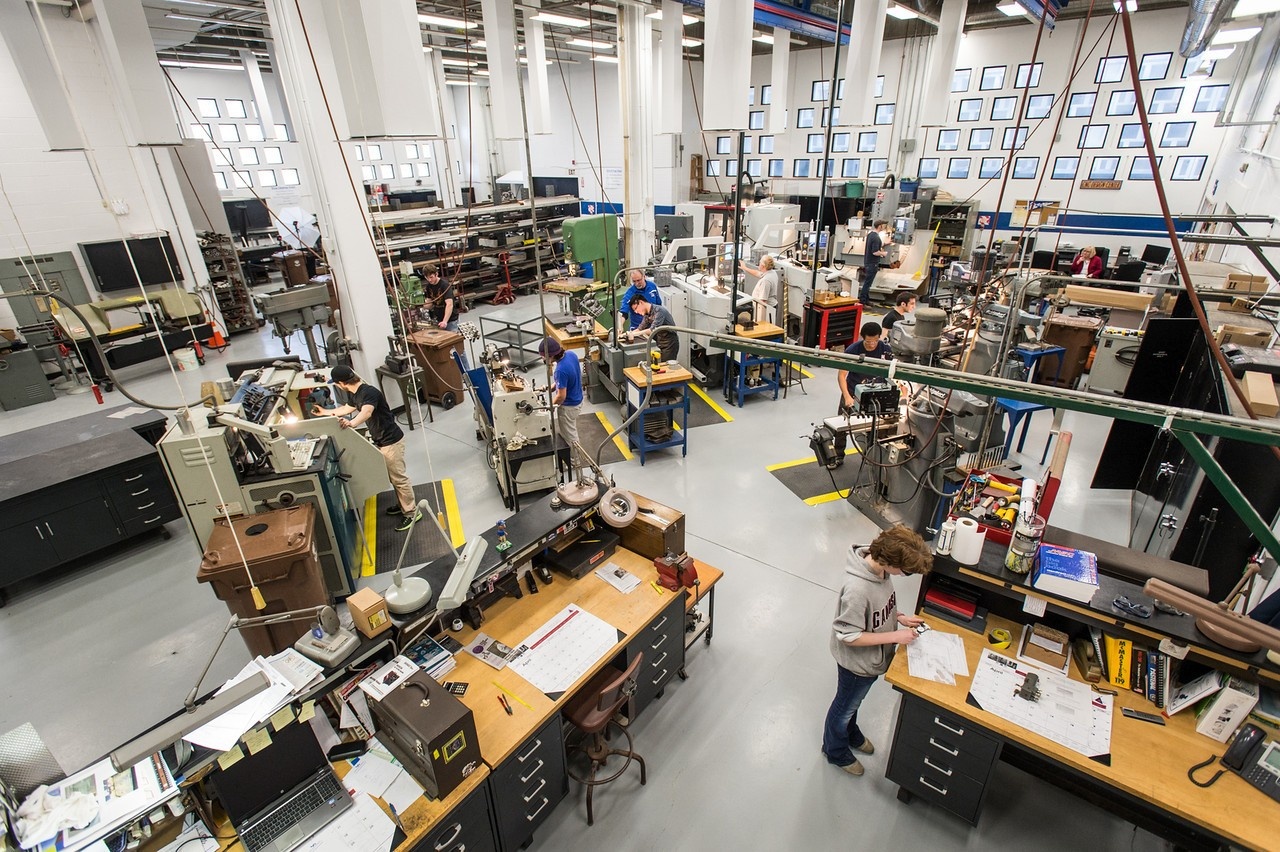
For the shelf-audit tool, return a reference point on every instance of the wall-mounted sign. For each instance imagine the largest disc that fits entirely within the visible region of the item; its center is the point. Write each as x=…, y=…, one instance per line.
x=1034, y=213
x=1100, y=184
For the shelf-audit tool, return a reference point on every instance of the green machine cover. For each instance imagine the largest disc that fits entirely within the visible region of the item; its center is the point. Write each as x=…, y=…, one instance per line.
x=594, y=240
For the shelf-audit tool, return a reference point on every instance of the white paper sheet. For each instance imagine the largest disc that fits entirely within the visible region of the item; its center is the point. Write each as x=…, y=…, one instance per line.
x=618, y=577
x=363, y=828
x=937, y=656
x=371, y=774
x=403, y=792
x=1067, y=712
x=387, y=677
x=559, y=652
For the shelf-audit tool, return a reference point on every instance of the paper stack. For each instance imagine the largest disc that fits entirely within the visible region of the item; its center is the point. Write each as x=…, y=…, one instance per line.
x=432, y=656
x=291, y=675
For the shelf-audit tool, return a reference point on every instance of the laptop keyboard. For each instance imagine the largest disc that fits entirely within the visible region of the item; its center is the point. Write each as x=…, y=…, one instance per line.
x=291, y=813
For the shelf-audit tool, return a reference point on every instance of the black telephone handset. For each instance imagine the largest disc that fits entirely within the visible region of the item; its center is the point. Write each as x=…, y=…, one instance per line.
x=1251, y=757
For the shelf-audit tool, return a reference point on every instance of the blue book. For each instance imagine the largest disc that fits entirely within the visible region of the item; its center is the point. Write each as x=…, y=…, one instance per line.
x=1067, y=572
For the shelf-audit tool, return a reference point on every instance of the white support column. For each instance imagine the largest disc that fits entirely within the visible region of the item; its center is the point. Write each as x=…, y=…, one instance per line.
x=125, y=40
x=863, y=63
x=52, y=107
x=343, y=215
x=780, y=81
x=670, y=106
x=444, y=150
x=726, y=74
x=500, y=49
x=942, y=64
x=259, y=88
x=539, y=91
x=636, y=84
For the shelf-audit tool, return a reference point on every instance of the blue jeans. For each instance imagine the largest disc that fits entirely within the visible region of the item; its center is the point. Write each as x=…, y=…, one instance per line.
x=868, y=275
x=841, y=734
x=452, y=325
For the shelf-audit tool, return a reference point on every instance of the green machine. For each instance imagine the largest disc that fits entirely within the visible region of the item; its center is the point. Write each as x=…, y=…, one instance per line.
x=594, y=240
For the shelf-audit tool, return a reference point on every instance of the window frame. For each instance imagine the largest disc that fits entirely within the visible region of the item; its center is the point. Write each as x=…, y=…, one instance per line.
x=985, y=165
x=1088, y=130
x=1035, y=72
x=1188, y=126
x=1008, y=106
x=867, y=141
x=1200, y=159
x=1148, y=74
x=1151, y=102
x=990, y=139
x=968, y=80
x=1071, y=104
x=1117, y=102
x=953, y=167
x=1075, y=170
x=1104, y=161
x=802, y=120
x=1039, y=106
x=953, y=146
x=977, y=114
x=1017, y=166
x=1224, y=88
x=992, y=78
x=1111, y=69
x=801, y=167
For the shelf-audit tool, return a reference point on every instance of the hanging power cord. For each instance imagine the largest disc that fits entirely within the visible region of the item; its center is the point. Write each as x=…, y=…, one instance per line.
x=1192, y=296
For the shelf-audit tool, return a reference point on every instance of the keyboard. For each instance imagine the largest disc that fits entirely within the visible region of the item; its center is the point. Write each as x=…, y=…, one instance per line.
x=859, y=422
x=291, y=813
x=301, y=450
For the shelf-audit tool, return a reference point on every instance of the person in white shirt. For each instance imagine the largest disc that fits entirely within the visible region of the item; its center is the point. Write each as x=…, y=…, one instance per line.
x=764, y=295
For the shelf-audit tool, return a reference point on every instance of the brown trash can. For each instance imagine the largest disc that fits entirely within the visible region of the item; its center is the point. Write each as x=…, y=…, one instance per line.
x=293, y=266
x=279, y=547
x=433, y=351
x=1077, y=335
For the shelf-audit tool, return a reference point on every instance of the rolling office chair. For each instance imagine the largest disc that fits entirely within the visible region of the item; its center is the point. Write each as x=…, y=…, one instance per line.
x=592, y=711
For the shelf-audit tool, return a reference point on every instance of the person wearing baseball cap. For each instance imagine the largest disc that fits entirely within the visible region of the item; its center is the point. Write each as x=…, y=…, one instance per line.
x=370, y=406
x=566, y=393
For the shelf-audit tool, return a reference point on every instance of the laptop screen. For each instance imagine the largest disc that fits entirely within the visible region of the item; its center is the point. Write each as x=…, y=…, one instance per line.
x=257, y=780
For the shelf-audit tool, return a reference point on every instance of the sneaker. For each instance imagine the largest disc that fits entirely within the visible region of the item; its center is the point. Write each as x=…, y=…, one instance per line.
x=394, y=509
x=866, y=747
x=409, y=521
x=854, y=768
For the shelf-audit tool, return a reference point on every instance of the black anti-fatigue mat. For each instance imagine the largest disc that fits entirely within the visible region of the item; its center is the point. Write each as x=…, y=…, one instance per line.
x=702, y=414
x=813, y=483
x=426, y=543
x=591, y=431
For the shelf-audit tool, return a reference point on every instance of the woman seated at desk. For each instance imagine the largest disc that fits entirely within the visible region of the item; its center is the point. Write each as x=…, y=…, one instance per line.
x=1087, y=263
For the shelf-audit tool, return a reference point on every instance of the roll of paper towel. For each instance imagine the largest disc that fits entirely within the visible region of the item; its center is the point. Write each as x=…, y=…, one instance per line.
x=967, y=547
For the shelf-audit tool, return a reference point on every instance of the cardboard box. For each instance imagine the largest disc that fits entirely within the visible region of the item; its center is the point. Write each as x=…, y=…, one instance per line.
x=1260, y=390
x=656, y=531
x=1108, y=298
x=1243, y=283
x=1046, y=645
x=1241, y=335
x=369, y=612
x=1218, y=716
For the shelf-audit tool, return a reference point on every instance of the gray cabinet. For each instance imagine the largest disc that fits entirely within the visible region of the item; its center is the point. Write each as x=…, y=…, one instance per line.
x=941, y=758
x=468, y=827
x=529, y=784
x=662, y=644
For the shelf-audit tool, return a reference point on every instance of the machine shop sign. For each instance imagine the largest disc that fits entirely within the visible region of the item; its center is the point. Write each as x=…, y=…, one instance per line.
x=1100, y=184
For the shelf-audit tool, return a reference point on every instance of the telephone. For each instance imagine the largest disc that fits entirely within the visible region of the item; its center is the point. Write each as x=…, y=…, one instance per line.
x=1251, y=756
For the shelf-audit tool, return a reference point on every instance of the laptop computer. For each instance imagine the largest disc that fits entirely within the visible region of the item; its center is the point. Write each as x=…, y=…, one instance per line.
x=282, y=795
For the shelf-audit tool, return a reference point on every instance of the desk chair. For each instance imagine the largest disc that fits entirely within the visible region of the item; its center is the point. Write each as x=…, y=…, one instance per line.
x=592, y=711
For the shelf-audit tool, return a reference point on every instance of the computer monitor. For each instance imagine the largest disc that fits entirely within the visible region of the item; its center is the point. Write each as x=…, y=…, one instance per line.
x=1155, y=255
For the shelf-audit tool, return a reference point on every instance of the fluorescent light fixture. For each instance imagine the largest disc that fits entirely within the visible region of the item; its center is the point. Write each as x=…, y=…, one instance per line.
x=610, y=59
x=215, y=66
x=763, y=38
x=480, y=43
x=226, y=22
x=562, y=20
x=426, y=49
x=459, y=82
x=1249, y=8
x=525, y=61
x=586, y=42
x=1234, y=35
x=449, y=23
x=686, y=19
x=197, y=3
x=460, y=63
x=1013, y=10
x=1132, y=5
x=691, y=42
x=1217, y=54
x=902, y=13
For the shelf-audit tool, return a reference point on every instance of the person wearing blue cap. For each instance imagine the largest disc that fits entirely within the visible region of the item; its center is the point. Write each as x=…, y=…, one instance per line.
x=566, y=393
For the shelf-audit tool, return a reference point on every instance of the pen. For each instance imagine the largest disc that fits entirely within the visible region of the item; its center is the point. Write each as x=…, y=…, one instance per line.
x=396, y=816
x=502, y=699
x=656, y=587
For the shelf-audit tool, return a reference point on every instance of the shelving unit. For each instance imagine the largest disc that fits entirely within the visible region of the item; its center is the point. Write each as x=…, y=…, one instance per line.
x=955, y=222
x=516, y=332
x=483, y=247
x=229, y=286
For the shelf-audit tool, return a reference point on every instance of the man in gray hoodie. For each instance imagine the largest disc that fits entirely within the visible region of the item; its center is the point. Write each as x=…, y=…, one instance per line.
x=866, y=632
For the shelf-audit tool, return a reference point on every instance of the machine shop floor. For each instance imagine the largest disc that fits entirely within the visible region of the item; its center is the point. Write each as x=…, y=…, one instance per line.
x=102, y=650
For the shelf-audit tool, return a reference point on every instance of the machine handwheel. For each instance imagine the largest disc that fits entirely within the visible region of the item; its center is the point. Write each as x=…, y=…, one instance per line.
x=448, y=400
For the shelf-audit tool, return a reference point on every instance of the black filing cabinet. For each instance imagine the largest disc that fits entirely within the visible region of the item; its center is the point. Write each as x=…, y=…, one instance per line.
x=528, y=785
x=941, y=758
x=141, y=496
x=662, y=643
x=466, y=827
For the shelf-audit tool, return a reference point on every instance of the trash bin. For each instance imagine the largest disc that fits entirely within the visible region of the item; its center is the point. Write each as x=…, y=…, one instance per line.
x=279, y=547
x=854, y=189
x=442, y=379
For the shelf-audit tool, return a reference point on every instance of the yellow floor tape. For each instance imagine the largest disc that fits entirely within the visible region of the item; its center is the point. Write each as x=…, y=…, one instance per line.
x=619, y=440
x=709, y=401
x=453, y=519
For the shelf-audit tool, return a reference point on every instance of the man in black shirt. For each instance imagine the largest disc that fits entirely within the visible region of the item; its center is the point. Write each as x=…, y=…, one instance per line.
x=903, y=304
x=871, y=345
x=439, y=295
x=875, y=250
x=369, y=406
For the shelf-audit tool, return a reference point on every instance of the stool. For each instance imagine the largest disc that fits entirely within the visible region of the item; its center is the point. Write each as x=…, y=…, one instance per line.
x=593, y=710
x=1031, y=360
x=406, y=382
x=1017, y=410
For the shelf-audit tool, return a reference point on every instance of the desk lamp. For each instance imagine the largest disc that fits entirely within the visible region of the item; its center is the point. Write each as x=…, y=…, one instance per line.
x=617, y=507
x=412, y=593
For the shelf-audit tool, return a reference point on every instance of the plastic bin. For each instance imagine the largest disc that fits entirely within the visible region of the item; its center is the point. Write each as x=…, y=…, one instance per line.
x=908, y=187
x=441, y=378
x=279, y=547
x=854, y=189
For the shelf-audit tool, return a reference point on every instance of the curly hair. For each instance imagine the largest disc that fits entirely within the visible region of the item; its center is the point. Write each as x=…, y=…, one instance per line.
x=901, y=548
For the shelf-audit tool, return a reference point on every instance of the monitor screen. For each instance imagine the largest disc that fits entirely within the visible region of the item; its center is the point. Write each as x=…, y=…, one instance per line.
x=247, y=214
x=1155, y=255
x=109, y=263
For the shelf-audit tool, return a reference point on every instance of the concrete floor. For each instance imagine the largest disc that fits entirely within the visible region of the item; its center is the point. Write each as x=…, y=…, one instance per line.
x=100, y=650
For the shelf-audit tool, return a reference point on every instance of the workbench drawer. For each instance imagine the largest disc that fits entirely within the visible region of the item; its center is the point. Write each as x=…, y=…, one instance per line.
x=155, y=517
x=142, y=482
x=943, y=736
x=935, y=781
x=527, y=785
x=466, y=827
x=662, y=643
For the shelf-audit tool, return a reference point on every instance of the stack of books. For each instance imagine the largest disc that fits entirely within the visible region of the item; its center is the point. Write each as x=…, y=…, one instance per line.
x=431, y=656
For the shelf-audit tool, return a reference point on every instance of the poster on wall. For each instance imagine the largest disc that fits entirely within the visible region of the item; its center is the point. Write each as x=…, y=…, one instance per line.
x=612, y=177
x=1033, y=214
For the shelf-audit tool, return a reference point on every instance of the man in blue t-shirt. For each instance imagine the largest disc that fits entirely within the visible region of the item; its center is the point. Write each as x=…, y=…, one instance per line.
x=872, y=345
x=566, y=394
x=875, y=250
x=629, y=318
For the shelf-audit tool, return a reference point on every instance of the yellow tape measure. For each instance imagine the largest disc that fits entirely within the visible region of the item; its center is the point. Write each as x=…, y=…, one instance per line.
x=999, y=638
